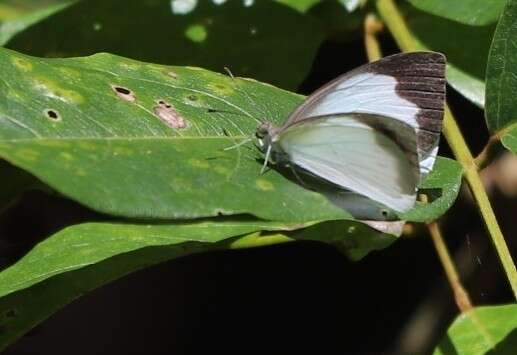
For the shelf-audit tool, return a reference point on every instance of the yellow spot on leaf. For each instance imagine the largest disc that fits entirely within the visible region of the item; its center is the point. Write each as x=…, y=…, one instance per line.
x=80, y=172
x=14, y=95
x=130, y=66
x=203, y=164
x=180, y=184
x=87, y=146
x=54, y=143
x=22, y=64
x=27, y=154
x=122, y=151
x=66, y=156
x=221, y=89
x=70, y=73
x=52, y=89
x=222, y=170
x=265, y=185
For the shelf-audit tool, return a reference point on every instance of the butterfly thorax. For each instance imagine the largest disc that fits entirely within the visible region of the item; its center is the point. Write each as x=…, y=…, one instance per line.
x=267, y=135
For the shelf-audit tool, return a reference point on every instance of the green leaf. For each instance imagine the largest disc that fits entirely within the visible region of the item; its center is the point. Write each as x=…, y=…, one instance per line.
x=299, y=5
x=64, y=121
x=162, y=32
x=501, y=78
x=483, y=330
x=8, y=29
x=442, y=187
x=305, y=5
x=83, y=257
x=468, y=12
x=466, y=63
x=340, y=24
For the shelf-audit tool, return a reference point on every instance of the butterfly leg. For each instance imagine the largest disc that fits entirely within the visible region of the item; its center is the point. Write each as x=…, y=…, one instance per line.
x=266, y=159
x=293, y=170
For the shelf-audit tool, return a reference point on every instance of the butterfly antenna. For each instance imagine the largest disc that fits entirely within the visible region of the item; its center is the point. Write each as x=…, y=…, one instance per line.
x=293, y=170
x=229, y=72
x=237, y=145
x=266, y=159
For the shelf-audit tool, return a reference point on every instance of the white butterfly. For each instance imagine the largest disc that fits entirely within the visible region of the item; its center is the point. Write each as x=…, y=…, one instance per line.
x=373, y=131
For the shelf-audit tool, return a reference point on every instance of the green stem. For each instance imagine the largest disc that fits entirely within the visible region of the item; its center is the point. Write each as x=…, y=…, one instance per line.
x=371, y=27
x=398, y=28
x=258, y=240
x=460, y=294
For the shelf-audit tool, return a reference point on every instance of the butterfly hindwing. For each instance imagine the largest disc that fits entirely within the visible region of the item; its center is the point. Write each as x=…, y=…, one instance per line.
x=350, y=152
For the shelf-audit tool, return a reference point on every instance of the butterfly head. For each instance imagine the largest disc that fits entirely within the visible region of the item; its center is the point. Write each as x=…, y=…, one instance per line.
x=264, y=135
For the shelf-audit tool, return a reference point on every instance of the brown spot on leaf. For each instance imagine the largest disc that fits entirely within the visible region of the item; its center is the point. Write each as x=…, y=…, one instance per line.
x=169, y=115
x=173, y=75
x=124, y=93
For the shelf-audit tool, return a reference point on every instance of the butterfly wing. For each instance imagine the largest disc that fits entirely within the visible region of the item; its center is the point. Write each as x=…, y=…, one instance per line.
x=349, y=151
x=407, y=88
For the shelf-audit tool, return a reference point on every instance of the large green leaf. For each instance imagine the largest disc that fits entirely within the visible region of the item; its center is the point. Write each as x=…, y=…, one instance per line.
x=468, y=12
x=117, y=152
x=483, y=330
x=10, y=28
x=83, y=257
x=501, y=78
x=466, y=63
x=208, y=34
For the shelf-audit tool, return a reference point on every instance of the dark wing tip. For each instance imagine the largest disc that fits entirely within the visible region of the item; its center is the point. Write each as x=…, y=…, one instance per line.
x=420, y=80
x=411, y=64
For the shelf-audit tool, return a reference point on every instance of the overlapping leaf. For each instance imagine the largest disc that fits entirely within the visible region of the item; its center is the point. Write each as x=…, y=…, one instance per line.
x=11, y=27
x=83, y=257
x=468, y=12
x=483, y=330
x=501, y=77
x=279, y=51
x=466, y=63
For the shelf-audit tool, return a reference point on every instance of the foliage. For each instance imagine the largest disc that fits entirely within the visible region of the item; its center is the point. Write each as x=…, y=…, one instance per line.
x=146, y=130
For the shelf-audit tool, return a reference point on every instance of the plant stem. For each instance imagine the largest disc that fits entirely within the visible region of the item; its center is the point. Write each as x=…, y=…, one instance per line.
x=371, y=27
x=398, y=28
x=488, y=151
x=258, y=240
x=460, y=294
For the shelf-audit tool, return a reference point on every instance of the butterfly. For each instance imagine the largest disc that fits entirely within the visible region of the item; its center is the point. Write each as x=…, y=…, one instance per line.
x=372, y=132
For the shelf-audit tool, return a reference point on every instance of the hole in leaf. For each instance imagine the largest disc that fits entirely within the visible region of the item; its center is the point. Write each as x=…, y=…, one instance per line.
x=164, y=104
x=124, y=93
x=52, y=115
